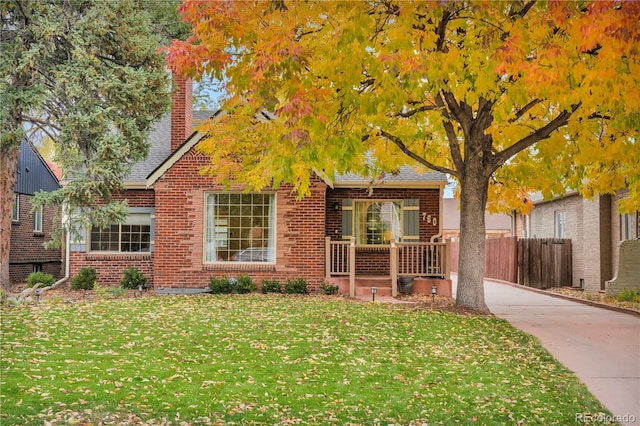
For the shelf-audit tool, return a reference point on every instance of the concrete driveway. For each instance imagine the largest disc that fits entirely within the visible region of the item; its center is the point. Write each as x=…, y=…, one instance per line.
x=600, y=346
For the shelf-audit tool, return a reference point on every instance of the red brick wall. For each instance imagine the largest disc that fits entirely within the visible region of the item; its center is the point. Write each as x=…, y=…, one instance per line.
x=180, y=210
x=136, y=197
x=181, y=110
x=26, y=248
x=110, y=267
x=372, y=261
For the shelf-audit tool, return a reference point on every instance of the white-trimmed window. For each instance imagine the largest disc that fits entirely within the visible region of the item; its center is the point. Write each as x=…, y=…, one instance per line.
x=377, y=222
x=15, y=211
x=134, y=235
x=560, y=224
x=239, y=227
x=37, y=219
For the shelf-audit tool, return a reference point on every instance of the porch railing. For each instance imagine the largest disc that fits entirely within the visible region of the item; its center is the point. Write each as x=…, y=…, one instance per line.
x=422, y=259
x=418, y=259
x=340, y=258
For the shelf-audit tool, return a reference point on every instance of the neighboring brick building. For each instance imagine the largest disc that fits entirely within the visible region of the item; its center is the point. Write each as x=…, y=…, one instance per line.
x=29, y=230
x=184, y=228
x=595, y=229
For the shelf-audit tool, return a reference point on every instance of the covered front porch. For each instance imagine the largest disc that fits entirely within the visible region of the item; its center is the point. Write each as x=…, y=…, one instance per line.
x=357, y=269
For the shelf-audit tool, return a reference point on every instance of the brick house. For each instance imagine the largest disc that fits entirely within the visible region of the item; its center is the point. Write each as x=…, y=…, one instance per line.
x=183, y=228
x=30, y=229
x=596, y=231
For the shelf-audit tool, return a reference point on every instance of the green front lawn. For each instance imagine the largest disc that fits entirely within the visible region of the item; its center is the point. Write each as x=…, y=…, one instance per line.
x=256, y=359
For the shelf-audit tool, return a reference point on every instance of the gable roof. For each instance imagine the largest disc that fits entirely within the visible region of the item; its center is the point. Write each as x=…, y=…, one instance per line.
x=33, y=174
x=159, y=149
x=407, y=176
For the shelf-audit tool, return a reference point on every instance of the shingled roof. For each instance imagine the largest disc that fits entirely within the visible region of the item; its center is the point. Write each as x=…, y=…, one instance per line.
x=159, y=147
x=160, y=158
x=405, y=174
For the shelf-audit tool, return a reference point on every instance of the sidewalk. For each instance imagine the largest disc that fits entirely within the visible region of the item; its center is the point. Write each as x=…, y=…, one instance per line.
x=600, y=346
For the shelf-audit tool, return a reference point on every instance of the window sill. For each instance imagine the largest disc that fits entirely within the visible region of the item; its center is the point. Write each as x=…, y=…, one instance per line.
x=373, y=247
x=239, y=266
x=118, y=256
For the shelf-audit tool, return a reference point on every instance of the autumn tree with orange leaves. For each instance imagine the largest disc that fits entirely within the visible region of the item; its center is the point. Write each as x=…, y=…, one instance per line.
x=505, y=97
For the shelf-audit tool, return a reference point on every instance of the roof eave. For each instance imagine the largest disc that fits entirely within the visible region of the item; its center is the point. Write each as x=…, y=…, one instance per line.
x=390, y=185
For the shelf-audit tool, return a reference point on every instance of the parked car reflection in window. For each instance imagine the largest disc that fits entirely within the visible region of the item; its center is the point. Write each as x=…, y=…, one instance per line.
x=251, y=254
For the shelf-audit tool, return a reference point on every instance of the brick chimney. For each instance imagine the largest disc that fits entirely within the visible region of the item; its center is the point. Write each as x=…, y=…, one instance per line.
x=181, y=110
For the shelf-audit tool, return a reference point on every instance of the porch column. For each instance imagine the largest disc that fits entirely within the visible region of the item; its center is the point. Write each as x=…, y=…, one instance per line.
x=327, y=257
x=393, y=267
x=352, y=267
x=447, y=259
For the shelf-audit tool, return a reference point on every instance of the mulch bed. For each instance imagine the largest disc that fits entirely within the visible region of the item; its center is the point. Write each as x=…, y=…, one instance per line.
x=439, y=303
x=594, y=297
x=64, y=294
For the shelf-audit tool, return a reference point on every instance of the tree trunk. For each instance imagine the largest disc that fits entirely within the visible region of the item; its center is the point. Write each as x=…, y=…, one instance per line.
x=473, y=200
x=8, y=166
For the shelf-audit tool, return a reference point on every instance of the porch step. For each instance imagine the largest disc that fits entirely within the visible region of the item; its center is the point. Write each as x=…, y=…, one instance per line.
x=366, y=291
x=364, y=285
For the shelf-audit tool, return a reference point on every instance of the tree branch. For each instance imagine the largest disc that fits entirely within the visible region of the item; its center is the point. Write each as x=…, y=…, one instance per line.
x=538, y=135
x=40, y=122
x=442, y=30
x=598, y=116
x=454, y=145
x=524, y=110
x=300, y=33
x=523, y=11
x=413, y=112
x=463, y=117
x=398, y=142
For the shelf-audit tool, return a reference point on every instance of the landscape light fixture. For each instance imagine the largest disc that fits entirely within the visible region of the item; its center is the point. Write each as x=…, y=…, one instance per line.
x=37, y=295
x=140, y=289
x=434, y=290
x=374, y=290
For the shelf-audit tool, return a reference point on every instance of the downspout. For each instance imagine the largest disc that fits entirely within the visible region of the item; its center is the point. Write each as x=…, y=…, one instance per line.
x=67, y=266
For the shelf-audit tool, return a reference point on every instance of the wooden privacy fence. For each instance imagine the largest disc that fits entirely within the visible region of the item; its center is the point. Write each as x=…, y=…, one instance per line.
x=544, y=262
x=500, y=258
x=534, y=262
